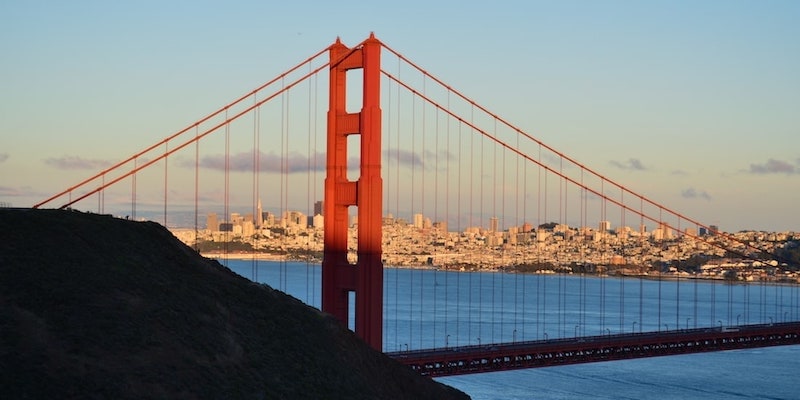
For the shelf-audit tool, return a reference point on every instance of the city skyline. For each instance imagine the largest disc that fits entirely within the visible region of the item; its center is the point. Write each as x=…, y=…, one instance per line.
x=691, y=104
x=279, y=218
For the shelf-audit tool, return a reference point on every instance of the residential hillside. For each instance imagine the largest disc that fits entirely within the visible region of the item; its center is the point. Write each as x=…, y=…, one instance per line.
x=93, y=306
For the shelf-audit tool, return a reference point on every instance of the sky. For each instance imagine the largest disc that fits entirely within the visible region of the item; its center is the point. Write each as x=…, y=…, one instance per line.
x=696, y=104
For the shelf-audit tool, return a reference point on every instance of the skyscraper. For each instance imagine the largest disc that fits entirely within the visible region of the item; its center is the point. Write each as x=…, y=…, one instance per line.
x=493, y=224
x=212, y=224
x=259, y=215
x=318, y=207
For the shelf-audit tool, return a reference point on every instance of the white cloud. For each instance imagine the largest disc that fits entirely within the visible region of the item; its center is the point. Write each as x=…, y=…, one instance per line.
x=75, y=162
x=633, y=164
x=773, y=166
x=691, y=193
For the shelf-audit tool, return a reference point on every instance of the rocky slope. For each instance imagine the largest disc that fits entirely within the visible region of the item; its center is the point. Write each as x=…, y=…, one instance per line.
x=97, y=307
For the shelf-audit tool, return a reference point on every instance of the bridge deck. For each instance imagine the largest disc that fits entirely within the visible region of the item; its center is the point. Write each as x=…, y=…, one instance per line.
x=545, y=353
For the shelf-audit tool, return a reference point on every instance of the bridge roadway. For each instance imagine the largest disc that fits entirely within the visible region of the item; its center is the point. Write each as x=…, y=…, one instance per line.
x=546, y=353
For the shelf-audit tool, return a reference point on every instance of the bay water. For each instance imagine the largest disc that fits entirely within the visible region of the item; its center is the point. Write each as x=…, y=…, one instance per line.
x=428, y=308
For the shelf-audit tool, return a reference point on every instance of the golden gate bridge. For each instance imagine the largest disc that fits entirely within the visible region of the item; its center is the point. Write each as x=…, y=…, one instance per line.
x=399, y=144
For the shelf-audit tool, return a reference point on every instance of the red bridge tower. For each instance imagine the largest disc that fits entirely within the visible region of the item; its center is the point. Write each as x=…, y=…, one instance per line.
x=365, y=277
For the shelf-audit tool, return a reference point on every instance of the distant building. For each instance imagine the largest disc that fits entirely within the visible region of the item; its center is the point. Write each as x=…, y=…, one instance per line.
x=248, y=229
x=269, y=218
x=318, y=221
x=512, y=235
x=666, y=231
x=604, y=226
x=318, y=208
x=294, y=219
x=494, y=225
x=259, y=215
x=418, y=221
x=212, y=223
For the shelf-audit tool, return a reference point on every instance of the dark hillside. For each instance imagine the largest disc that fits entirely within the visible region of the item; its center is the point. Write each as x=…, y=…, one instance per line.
x=97, y=307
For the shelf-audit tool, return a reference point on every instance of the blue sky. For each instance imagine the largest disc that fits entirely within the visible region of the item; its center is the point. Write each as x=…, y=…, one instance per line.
x=696, y=104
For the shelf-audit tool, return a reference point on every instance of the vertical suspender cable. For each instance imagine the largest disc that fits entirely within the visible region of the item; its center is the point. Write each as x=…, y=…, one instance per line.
x=284, y=221
x=582, y=205
x=310, y=199
x=494, y=215
x=133, y=191
x=413, y=210
x=747, y=302
x=526, y=236
x=694, y=316
x=397, y=198
x=458, y=225
x=471, y=209
x=481, y=221
x=257, y=182
x=100, y=196
x=603, y=238
x=641, y=263
x=438, y=230
x=197, y=188
x=443, y=234
x=796, y=302
x=286, y=118
x=387, y=205
x=660, y=267
x=413, y=190
x=422, y=206
x=558, y=266
x=501, y=227
x=516, y=240
x=539, y=291
x=226, y=189
x=254, y=191
x=166, y=164
x=713, y=303
x=621, y=277
x=545, y=278
x=677, y=285
x=565, y=223
x=777, y=314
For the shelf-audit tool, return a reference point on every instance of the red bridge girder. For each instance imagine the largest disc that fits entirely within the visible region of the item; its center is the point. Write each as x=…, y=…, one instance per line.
x=546, y=353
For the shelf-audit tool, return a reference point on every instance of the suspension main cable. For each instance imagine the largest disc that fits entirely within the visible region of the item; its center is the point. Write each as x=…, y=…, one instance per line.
x=228, y=119
x=594, y=191
x=180, y=132
x=560, y=154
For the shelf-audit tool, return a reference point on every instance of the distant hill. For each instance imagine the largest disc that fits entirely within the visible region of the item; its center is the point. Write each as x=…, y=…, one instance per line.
x=98, y=307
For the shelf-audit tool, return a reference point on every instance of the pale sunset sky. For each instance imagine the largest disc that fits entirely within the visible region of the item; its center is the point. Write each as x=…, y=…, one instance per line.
x=695, y=103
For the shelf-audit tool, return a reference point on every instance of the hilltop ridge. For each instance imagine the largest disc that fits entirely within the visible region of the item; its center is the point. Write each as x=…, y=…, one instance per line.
x=93, y=306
